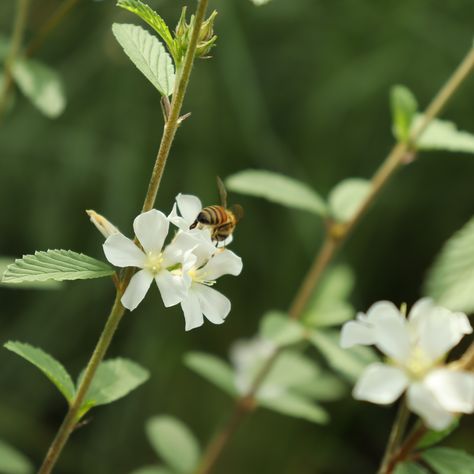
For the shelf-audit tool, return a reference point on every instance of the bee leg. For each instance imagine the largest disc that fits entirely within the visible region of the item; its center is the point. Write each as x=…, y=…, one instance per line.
x=194, y=224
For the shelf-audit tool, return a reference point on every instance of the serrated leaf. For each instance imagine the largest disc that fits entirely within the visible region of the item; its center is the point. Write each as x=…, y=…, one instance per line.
x=34, y=285
x=277, y=327
x=404, y=107
x=213, y=369
x=174, y=442
x=346, y=198
x=449, y=461
x=50, y=367
x=277, y=188
x=56, y=265
x=114, y=379
x=148, y=15
x=409, y=468
x=450, y=281
x=148, y=55
x=432, y=437
x=153, y=470
x=12, y=461
x=297, y=406
x=41, y=84
x=349, y=362
x=443, y=135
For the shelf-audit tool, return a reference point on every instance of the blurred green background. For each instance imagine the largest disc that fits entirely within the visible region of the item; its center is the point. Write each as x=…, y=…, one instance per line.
x=299, y=87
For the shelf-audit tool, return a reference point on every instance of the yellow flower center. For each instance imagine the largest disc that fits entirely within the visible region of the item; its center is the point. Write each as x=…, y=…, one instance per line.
x=154, y=262
x=418, y=364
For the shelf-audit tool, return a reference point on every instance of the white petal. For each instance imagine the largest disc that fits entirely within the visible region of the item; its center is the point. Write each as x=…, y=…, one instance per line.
x=355, y=332
x=137, y=289
x=225, y=242
x=172, y=288
x=189, y=207
x=191, y=307
x=420, y=309
x=151, y=228
x=214, y=305
x=422, y=402
x=382, y=308
x=380, y=383
x=174, y=252
x=222, y=263
x=454, y=390
x=122, y=252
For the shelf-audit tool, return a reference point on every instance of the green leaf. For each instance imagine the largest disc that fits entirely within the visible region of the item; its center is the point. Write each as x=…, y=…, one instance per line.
x=326, y=387
x=174, y=442
x=349, y=362
x=55, y=265
x=41, y=84
x=277, y=327
x=34, y=285
x=346, y=198
x=47, y=364
x=404, y=107
x=12, y=461
x=114, y=379
x=409, y=468
x=213, y=369
x=148, y=15
x=443, y=135
x=450, y=281
x=298, y=406
x=277, y=188
x=449, y=461
x=432, y=437
x=148, y=55
x=153, y=470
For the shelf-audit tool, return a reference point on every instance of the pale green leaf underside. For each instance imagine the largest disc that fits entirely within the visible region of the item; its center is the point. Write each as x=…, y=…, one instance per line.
x=213, y=369
x=450, y=281
x=277, y=327
x=404, y=107
x=277, y=188
x=50, y=367
x=41, y=84
x=153, y=470
x=346, y=198
x=35, y=285
x=12, y=461
x=56, y=265
x=148, y=55
x=174, y=442
x=409, y=468
x=444, y=135
x=449, y=461
x=325, y=387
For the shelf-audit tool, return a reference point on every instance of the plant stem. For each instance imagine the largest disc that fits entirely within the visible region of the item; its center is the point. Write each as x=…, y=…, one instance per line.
x=336, y=236
x=117, y=311
x=16, y=41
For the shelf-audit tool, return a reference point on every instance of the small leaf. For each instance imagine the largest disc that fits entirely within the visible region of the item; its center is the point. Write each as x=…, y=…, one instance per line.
x=148, y=15
x=12, y=461
x=404, y=108
x=432, y=437
x=409, y=468
x=213, y=369
x=346, y=198
x=41, y=84
x=280, y=329
x=443, y=135
x=148, y=55
x=260, y=2
x=114, y=379
x=34, y=285
x=50, y=367
x=449, y=461
x=325, y=387
x=277, y=188
x=56, y=265
x=298, y=406
x=450, y=280
x=349, y=362
x=153, y=470
x=174, y=442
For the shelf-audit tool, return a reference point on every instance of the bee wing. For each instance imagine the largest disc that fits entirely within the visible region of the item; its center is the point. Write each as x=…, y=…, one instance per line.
x=222, y=192
x=238, y=211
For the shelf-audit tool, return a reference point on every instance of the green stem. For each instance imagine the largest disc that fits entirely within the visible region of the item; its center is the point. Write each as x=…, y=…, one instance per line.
x=117, y=311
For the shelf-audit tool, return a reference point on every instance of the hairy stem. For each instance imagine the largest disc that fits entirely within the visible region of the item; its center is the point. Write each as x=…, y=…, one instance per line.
x=117, y=311
x=335, y=237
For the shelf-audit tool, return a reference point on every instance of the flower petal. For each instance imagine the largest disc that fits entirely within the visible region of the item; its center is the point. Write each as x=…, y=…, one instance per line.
x=214, y=305
x=380, y=383
x=191, y=307
x=189, y=207
x=355, y=332
x=454, y=390
x=151, y=228
x=172, y=288
x=176, y=250
x=223, y=262
x=122, y=252
x=137, y=289
x=422, y=402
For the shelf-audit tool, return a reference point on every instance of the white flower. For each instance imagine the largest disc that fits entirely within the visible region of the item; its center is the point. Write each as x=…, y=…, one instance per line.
x=151, y=229
x=105, y=227
x=416, y=348
x=202, y=300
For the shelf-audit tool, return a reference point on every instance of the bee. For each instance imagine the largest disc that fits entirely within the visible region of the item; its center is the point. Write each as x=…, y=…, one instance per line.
x=219, y=219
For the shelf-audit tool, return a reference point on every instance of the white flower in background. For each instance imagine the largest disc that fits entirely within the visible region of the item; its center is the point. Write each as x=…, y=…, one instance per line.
x=416, y=347
x=105, y=227
x=151, y=229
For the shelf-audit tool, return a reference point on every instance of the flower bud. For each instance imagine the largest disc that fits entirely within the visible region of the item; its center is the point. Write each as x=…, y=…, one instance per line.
x=103, y=225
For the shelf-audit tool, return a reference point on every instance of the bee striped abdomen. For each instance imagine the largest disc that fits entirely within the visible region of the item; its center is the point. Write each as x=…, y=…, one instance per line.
x=212, y=215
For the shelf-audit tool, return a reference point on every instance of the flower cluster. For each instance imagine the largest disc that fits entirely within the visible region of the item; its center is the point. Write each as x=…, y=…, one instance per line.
x=416, y=348
x=184, y=270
